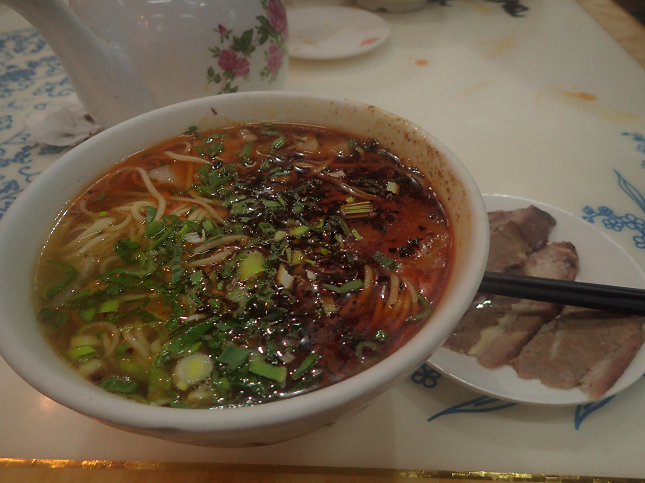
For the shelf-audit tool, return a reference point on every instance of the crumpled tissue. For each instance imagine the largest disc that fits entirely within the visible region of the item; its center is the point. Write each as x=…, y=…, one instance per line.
x=64, y=122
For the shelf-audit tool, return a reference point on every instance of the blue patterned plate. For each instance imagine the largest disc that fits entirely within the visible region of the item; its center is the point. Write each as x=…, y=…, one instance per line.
x=602, y=260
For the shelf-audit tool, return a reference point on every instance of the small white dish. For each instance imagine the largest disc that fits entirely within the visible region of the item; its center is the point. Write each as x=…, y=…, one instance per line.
x=392, y=6
x=323, y=33
x=602, y=260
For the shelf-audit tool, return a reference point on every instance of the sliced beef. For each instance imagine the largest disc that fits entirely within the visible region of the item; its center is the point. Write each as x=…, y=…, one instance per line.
x=496, y=328
x=483, y=313
x=508, y=249
x=515, y=234
x=571, y=312
x=496, y=331
x=534, y=224
x=557, y=260
x=589, y=353
x=508, y=337
x=563, y=347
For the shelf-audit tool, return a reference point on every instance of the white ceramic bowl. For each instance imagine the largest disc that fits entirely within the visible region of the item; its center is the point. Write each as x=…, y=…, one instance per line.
x=29, y=220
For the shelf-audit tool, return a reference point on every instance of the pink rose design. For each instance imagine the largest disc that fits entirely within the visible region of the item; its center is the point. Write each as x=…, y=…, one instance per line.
x=221, y=29
x=277, y=16
x=241, y=67
x=275, y=59
x=227, y=59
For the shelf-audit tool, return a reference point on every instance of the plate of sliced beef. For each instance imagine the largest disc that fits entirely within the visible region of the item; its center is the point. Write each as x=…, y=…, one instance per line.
x=537, y=352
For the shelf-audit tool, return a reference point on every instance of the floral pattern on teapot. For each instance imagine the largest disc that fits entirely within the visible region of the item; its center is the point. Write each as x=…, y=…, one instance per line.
x=234, y=51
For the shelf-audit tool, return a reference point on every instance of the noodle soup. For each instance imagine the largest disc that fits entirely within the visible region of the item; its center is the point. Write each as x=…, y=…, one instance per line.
x=241, y=266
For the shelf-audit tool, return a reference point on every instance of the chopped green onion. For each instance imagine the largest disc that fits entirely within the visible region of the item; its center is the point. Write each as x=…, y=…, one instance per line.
x=299, y=231
x=363, y=345
x=346, y=287
x=125, y=249
x=53, y=316
x=197, y=277
x=121, y=349
x=381, y=336
x=243, y=207
x=279, y=143
x=266, y=229
x=237, y=294
x=223, y=326
x=340, y=222
x=135, y=369
x=251, y=266
x=154, y=229
x=119, y=385
x=193, y=369
x=296, y=257
x=214, y=149
x=305, y=365
x=82, y=352
x=234, y=355
x=271, y=204
x=176, y=270
x=158, y=378
x=88, y=314
x=247, y=149
x=151, y=212
x=264, y=369
x=180, y=405
x=208, y=226
x=277, y=174
x=81, y=294
x=386, y=261
x=298, y=206
x=188, y=338
x=357, y=210
x=223, y=385
x=427, y=312
x=64, y=274
x=216, y=304
x=108, y=306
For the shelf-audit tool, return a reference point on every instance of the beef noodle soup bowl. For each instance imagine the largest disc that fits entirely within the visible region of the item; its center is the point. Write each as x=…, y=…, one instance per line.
x=239, y=270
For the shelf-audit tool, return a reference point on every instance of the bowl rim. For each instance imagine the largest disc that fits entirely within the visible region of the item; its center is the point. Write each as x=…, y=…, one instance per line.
x=102, y=405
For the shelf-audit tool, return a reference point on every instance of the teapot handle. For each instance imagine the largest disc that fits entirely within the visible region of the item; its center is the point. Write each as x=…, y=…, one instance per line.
x=102, y=75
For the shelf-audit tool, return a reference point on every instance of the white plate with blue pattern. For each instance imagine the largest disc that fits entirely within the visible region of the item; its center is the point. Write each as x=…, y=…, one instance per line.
x=602, y=260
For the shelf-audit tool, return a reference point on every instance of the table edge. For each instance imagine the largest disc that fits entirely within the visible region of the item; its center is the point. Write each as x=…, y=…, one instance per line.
x=621, y=25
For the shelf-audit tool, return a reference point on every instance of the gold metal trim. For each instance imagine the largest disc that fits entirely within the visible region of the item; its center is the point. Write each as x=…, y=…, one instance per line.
x=59, y=464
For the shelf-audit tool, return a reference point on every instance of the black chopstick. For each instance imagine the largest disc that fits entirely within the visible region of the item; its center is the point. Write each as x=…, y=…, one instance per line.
x=609, y=298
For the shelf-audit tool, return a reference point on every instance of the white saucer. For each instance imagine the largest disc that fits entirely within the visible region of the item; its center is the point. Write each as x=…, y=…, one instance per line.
x=601, y=261
x=333, y=32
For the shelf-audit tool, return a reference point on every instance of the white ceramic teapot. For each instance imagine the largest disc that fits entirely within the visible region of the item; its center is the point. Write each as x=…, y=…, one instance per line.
x=126, y=58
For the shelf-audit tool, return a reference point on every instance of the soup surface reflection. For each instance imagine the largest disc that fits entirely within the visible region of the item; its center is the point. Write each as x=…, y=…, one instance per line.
x=241, y=266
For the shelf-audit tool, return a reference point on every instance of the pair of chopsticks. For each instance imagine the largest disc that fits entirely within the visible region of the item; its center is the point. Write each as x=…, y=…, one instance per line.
x=609, y=298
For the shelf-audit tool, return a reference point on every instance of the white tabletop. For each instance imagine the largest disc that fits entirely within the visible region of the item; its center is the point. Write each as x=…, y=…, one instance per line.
x=544, y=106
